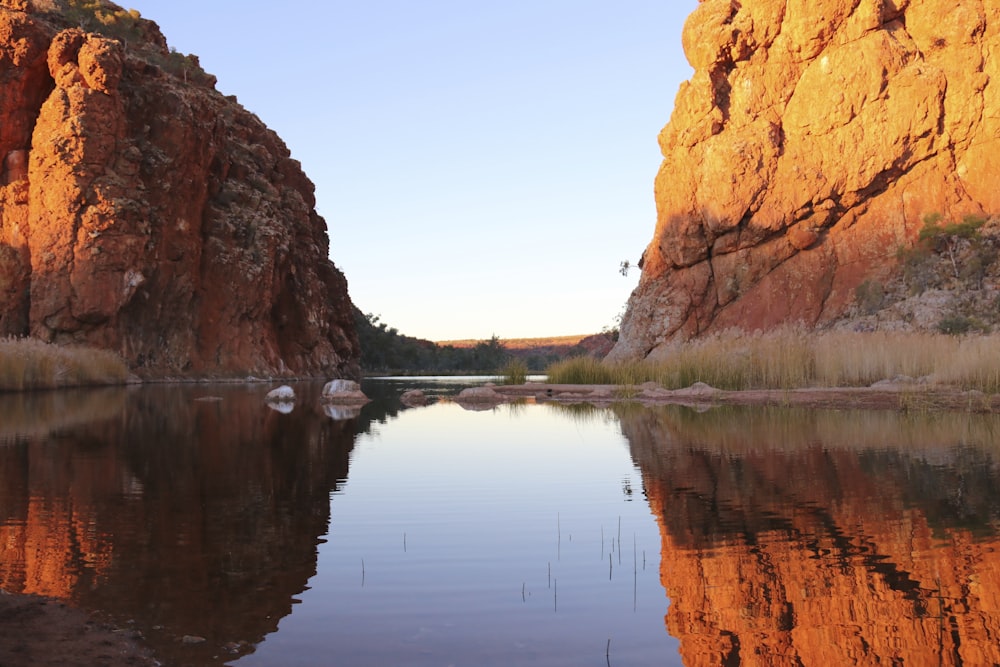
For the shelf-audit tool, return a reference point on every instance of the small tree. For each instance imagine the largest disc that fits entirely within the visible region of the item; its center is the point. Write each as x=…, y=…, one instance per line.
x=489, y=355
x=869, y=295
x=947, y=239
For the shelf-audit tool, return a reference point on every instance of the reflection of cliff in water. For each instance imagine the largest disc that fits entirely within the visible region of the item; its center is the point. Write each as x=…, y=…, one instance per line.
x=825, y=538
x=28, y=415
x=195, y=517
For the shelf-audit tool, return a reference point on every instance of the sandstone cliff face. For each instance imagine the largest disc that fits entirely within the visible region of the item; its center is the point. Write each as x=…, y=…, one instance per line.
x=143, y=212
x=808, y=146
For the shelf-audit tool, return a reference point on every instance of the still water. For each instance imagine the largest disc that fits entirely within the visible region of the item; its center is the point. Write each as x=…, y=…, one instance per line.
x=227, y=533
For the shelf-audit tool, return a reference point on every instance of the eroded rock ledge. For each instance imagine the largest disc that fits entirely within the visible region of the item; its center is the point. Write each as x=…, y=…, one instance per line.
x=810, y=143
x=142, y=211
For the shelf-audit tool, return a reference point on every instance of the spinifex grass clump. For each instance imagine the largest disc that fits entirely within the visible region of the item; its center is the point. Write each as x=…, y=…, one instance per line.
x=587, y=370
x=104, y=18
x=792, y=359
x=26, y=363
x=514, y=372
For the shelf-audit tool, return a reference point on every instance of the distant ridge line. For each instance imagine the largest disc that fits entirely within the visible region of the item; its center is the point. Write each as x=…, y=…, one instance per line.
x=519, y=343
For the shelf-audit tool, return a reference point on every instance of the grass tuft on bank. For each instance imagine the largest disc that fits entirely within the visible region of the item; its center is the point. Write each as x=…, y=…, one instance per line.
x=27, y=363
x=795, y=359
x=514, y=371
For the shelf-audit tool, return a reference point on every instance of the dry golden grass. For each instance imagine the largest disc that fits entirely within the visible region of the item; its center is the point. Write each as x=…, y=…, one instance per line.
x=793, y=359
x=26, y=363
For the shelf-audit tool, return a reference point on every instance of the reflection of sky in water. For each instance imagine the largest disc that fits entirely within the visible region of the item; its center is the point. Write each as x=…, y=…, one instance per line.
x=484, y=538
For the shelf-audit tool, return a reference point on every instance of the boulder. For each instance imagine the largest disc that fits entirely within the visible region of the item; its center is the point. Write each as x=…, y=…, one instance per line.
x=284, y=393
x=343, y=392
x=413, y=398
x=481, y=395
x=281, y=399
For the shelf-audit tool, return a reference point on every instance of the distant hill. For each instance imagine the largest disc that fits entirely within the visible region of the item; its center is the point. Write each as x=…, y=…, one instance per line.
x=385, y=350
x=521, y=343
x=538, y=353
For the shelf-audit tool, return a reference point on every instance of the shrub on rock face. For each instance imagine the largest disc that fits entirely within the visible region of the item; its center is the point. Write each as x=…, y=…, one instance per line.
x=956, y=325
x=869, y=295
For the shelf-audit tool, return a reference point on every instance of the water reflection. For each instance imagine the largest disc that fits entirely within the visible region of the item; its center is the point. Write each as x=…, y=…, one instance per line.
x=200, y=518
x=786, y=536
x=825, y=538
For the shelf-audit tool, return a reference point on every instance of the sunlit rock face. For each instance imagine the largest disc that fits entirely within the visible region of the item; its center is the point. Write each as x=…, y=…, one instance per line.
x=804, y=538
x=144, y=212
x=810, y=143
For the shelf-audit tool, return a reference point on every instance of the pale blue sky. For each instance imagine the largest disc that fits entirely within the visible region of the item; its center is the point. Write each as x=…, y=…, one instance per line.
x=483, y=167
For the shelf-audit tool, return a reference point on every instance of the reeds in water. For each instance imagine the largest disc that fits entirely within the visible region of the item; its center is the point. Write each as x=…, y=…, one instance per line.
x=27, y=363
x=793, y=359
x=514, y=371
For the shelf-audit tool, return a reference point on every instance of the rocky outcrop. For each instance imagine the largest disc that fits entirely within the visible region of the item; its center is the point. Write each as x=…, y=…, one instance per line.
x=808, y=146
x=142, y=211
x=343, y=392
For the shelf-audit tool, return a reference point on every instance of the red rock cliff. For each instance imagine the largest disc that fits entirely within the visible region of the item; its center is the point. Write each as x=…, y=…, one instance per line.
x=808, y=146
x=144, y=212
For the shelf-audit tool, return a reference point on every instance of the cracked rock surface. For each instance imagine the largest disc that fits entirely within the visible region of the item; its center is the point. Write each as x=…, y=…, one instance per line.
x=809, y=145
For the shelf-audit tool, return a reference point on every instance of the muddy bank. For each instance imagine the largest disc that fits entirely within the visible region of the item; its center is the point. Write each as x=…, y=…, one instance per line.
x=39, y=632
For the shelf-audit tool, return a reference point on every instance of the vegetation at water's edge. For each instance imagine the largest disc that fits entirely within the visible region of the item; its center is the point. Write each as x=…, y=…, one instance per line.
x=794, y=359
x=27, y=363
x=514, y=372
x=385, y=350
